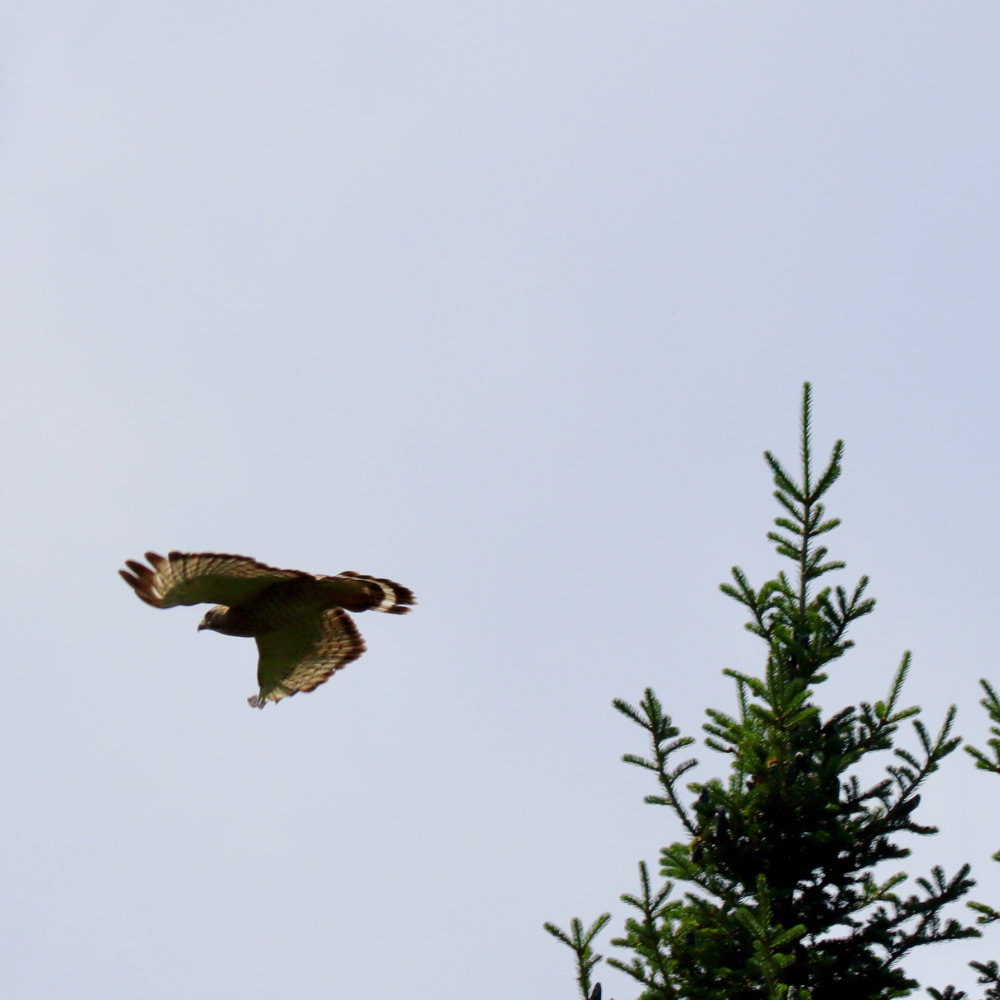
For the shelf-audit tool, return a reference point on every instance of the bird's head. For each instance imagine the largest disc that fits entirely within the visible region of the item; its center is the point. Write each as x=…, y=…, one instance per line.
x=215, y=618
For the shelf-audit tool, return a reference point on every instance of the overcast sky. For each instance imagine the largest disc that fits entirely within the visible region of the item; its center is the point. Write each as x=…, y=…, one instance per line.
x=503, y=302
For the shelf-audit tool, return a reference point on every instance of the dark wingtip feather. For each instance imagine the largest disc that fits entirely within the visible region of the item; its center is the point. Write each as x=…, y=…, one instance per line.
x=141, y=581
x=141, y=571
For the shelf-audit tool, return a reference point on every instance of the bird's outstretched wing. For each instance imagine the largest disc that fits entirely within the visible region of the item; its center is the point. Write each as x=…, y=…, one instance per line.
x=201, y=578
x=304, y=655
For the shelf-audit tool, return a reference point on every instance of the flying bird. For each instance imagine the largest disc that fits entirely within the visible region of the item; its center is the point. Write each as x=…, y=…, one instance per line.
x=299, y=620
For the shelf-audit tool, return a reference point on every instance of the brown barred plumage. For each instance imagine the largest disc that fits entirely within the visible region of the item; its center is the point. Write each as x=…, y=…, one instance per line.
x=299, y=620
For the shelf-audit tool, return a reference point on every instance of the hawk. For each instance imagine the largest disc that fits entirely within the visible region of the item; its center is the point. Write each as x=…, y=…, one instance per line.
x=299, y=620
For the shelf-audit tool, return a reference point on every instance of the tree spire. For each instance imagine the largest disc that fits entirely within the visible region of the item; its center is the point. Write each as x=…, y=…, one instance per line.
x=785, y=883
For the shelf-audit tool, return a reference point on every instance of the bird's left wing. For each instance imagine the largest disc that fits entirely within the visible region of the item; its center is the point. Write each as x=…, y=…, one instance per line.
x=201, y=578
x=304, y=655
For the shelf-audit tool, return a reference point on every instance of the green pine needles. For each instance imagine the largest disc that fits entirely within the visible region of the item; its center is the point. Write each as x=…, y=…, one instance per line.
x=786, y=885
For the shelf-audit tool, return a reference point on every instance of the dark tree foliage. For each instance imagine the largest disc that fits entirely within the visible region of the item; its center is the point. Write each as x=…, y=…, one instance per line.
x=989, y=972
x=786, y=884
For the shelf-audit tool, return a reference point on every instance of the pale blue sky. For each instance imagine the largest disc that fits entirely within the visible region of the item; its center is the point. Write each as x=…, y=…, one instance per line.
x=503, y=302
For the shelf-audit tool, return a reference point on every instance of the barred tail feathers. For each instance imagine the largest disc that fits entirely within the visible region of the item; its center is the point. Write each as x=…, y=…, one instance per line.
x=380, y=594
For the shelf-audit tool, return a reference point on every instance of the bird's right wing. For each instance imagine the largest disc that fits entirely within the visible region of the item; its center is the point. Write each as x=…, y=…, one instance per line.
x=304, y=655
x=201, y=578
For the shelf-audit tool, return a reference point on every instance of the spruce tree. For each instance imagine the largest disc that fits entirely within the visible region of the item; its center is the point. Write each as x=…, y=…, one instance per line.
x=786, y=883
x=989, y=972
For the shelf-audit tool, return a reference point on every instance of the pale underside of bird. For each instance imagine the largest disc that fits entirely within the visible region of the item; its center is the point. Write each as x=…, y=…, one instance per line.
x=299, y=620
